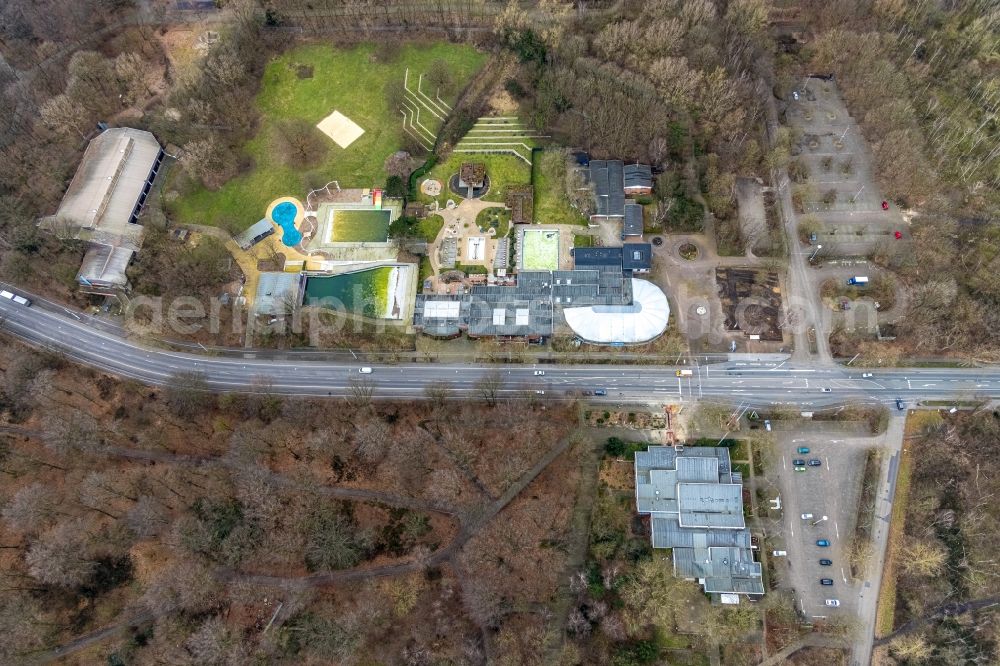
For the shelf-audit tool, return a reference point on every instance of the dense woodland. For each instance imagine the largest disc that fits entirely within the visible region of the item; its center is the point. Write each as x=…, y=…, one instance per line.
x=254, y=528
x=948, y=551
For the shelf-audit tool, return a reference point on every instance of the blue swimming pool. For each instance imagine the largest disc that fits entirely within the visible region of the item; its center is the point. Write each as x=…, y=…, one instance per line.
x=284, y=216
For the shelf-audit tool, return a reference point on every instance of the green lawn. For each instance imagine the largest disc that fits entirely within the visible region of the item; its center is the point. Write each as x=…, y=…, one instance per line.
x=487, y=216
x=426, y=229
x=343, y=80
x=541, y=250
x=549, y=179
x=583, y=240
x=502, y=170
x=360, y=226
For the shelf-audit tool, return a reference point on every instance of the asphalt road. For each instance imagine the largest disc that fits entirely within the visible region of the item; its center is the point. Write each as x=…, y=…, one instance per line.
x=752, y=383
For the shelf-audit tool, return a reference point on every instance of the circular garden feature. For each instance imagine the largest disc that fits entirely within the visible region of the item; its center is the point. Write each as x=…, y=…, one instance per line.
x=688, y=251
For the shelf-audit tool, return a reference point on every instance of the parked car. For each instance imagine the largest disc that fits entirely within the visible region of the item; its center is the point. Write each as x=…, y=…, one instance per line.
x=802, y=449
x=540, y=392
x=779, y=553
x=800, y=469
x=822, y=543
x=815, y=462
x=898, y=235
x=539, y=373
x=825, y=563
x=826, y=581
x=832, y=602
x=798, y=462
x=899, y=404
x=600, y=392
x=767, y=425
x=885, y=205
x=807, y=516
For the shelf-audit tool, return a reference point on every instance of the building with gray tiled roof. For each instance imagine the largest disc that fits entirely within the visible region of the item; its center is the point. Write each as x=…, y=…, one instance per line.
x=695, y=503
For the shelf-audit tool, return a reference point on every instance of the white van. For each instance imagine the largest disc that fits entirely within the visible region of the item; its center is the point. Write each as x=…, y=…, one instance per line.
x=365, y=371
x=779, y=553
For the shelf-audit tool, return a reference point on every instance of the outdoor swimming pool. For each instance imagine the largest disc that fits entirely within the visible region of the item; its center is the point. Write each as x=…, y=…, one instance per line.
x=368, y=292
x=284, y=215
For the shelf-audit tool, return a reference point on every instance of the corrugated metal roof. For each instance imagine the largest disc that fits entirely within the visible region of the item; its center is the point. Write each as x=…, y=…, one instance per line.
x=257, y=231
x=104, y=266
x=710, y=505
x=691, y=468
x=669, y=533
x=110, y=179
x=276, y=292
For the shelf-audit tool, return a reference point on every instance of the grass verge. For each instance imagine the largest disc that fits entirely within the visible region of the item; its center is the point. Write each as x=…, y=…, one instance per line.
x=861, y=548
x=886, y=608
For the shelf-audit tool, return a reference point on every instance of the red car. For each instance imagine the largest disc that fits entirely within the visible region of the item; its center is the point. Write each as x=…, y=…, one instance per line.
x=885, y=205
x=898, y=235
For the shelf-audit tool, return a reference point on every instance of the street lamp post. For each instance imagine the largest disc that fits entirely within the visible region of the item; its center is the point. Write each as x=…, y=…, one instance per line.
x=813, y=255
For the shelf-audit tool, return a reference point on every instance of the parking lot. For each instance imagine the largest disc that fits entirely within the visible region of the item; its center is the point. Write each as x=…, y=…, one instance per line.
x=844, y=196
x=829, y=492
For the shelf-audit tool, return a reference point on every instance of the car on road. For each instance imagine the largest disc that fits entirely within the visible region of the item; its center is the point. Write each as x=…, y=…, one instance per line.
x=826, y=563
x=866, y=375
x=800, y=469
x=822, y=543
x=365, y=371
x=540, y=392
x=826, y=390
x=826, y=581
x=833, y=603
x=802, y=449
x=798, y=462
x=779, y=553
x=807, y=516
x=815, y=462
x=601, y=392
x=539, y=373
x=899, y=404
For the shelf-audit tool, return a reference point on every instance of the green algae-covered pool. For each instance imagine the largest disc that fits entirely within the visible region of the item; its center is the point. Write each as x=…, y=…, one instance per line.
x=369, y=292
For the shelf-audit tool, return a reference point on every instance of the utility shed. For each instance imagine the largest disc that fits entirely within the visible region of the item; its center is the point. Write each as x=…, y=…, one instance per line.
x=103, y=202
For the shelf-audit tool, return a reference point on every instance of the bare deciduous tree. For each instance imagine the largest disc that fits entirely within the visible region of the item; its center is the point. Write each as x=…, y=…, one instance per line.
x=61, y=556
x=489, y=387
